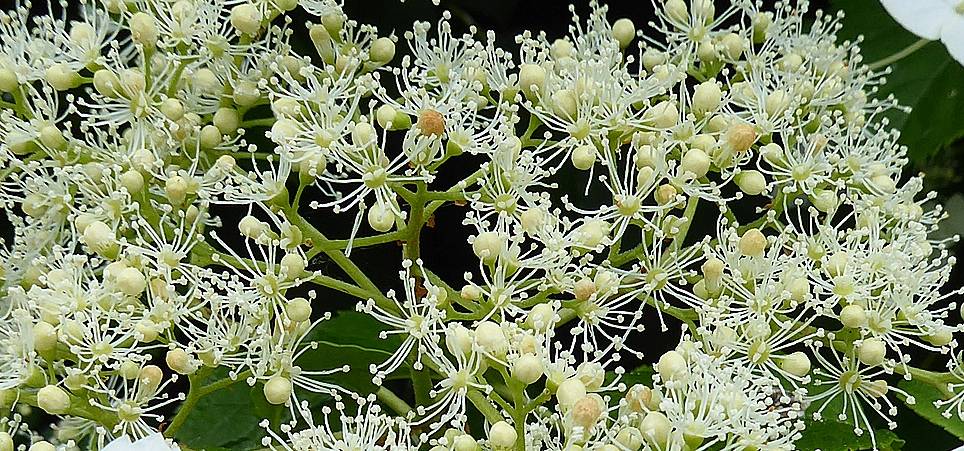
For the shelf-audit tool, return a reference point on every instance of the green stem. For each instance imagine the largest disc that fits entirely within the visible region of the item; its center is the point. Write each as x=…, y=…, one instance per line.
x=905, y=52
x=392, y=400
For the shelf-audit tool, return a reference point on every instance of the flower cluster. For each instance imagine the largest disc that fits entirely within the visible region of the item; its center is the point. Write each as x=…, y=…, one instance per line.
x=165, y=163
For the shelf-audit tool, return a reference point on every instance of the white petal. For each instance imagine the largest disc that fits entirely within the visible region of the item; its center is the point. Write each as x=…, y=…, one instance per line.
x=921, y=17
x=153, y=442
x=952, y=35
x=122, y=443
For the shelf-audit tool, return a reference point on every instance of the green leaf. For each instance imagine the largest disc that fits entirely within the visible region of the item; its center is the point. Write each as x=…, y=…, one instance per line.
x=643, y=374
x=350, y=338
x=229, y=418
x=224, y=419
x=925, y=395
x=837, y=436
x=928, y=80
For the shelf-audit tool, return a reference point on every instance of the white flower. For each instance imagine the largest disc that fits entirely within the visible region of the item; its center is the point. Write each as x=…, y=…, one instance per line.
x=932, y=19
x=153, y=442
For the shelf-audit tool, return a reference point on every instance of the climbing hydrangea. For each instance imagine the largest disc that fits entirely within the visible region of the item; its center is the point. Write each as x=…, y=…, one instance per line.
x=171, y=170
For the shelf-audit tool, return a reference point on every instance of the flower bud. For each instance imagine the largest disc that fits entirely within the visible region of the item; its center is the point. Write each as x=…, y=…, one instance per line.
x=665, y=194
x=541, y=317
x=527, y=369
x=227, y=120
x=6, y=442
x=584, y=157
x=132, y=181
x=44, y=336
x=150, y=377
x=586, y=411
x=677, y=11
x=671, y=365
x=695, y=162
x=490, y=337
x=61, y=77
x=130, y=281
x=176, y=188
x=624, y=31
x=751, y=182
x=143, y=30
x=797, y=364
x=488, y=246
x=853, y=316
x=101, y=239
x=655, y=427
x=872, y=351
x=569, y=392
x=293, y=266
x=52, y=137
x=943, y=336
x=246, y=93
x=740, y=137
x=592, y=233
x=277, y=390
x=382, y=51
x=502, y=436
x=42, y=445
x=592, y=375
x=837, y=263
x=465, y=442
x=252, y=227
x=53, y=400
x=180, y=361
x=732, y=45
x=630, y=438
x=706, y=97
x=298, y=310
x=664, y=114
x=533, y=219
x=363, y=134
x=246, y=19
x=532, y=78
x=380, y=217
x=753, y=243
x=431, y=123
x=653, y=58
x=9, y=82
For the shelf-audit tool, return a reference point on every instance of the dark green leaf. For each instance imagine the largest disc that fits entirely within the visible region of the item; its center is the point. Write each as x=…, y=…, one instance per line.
x=929, y=80
x=350, y=338
x=925, y=395
x=836, y=436
x=224, y=419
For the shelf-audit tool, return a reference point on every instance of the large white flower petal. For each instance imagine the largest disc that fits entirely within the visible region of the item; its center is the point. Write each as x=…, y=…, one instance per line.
x=925, y=18
x=153, y=442
x=122, y=443
x=952, y=35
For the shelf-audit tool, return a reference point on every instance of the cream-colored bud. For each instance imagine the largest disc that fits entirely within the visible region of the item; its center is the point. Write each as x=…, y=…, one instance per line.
x=180, y=361
x=9, y=81
x=53, y=400
x=527, y=369
x=227, y=120
x=532, y=79
x=706, y=97
x=584, y=157
x=624, y=31
x=753, y=243
x=488, y=246
x=381, y=218
x=130, y=281
x=586, y=411
x=491, y=338
x=44, y=336
x=872, y=351
x=246, y=18
x=695, y=162
x=853, y=316
x=278, y=390
x=61, y=77
x=382, y=51
x=569, y=392
x=143, y=29
x=293, y=266
x=740, y=137
x=751, y=182
x=797, y=364
x=671, y=365
x=502, y=436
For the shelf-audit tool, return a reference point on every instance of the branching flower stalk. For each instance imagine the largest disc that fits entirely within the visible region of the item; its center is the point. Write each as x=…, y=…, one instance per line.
x=728, y=174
